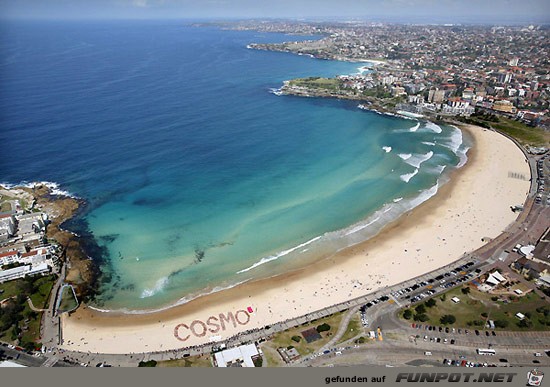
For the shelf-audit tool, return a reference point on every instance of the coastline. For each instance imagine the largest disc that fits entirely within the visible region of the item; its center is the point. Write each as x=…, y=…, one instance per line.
x=474, y=204
x=61, y=207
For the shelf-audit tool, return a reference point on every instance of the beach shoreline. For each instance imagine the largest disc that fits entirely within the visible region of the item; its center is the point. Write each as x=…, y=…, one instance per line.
x=473, y=205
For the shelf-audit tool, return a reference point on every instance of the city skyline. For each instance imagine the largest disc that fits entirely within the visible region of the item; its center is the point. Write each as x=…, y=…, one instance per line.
x=413, y=11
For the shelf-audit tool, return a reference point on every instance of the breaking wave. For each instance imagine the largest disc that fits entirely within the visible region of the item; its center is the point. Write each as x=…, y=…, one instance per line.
x=417, y=159
x=408, y=176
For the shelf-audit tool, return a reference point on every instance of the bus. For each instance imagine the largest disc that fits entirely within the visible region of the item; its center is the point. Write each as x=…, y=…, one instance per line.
x=486, y=351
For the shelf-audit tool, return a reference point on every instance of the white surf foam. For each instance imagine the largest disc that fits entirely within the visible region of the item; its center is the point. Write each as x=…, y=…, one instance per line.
x=52, y=186
x=397, y=200
x=417, y=159
x=463, y=155
x=362, y=226
x=159, y=287
x=433, y=127
x=387, y=149
x=415, y=128
x=276, y=91
x=278, y=255
x=405, y=156
x=454, y=141
x=428, y=143
x=408, y=176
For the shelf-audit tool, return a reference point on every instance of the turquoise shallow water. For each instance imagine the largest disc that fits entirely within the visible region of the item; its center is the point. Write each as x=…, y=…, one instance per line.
x=197, y=175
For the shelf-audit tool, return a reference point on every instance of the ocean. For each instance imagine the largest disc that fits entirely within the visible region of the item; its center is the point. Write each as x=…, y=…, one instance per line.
x=197, y=175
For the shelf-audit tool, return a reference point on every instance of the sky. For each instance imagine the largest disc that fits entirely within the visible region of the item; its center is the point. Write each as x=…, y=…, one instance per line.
x=490, y=11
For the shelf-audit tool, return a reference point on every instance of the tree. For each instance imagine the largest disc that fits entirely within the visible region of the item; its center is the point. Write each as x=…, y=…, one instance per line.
x=501, y=323
x=421, y=317
x=465, y=290
x=447, y=319
x=28, y=345
x=525, y=323
x=484, y=314
x=443, y=297
x=323, y=328
x=420, y=309
x=150, y=363
x=296, y=338
x=258, y=361
x=407, y=314
x=430, y=303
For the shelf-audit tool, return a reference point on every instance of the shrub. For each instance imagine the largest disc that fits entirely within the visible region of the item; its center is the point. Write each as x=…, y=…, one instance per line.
x=465, y=290
x=443, y=297
x=150, y=363
x=420, y=309
x=421, y=317
x=447, y=319
x=323, y=328
x=476, y=323
x=258, y=361
x=296, y=338
x=430, y=303
x=525, y=323
x=484, y=314
x=501, y=323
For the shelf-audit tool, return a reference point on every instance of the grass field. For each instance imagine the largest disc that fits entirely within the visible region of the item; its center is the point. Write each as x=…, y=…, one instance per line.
x=525, y=134
x=472, y=305
x=354, y=329
x=28, y=321
x=191, y=361
x=284, y=339
x=317, y=83
x=521, y=132
x=41, y=297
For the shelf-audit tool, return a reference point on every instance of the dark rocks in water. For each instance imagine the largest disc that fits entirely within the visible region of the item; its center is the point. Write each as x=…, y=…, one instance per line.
x=129, y=287
x=199, y=255
x=108, y=238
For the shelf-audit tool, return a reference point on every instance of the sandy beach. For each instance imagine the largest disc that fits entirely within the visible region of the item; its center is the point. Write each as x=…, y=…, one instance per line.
x=475, y=204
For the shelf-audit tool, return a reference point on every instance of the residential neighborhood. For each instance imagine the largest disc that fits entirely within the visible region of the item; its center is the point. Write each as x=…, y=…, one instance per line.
x=444, y=69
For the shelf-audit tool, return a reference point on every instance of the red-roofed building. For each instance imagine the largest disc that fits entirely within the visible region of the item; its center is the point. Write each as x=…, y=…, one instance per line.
x=9, y=257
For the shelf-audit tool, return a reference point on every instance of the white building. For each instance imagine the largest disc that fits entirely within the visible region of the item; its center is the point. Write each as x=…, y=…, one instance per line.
x=7, y=227
x=23, y=271
x=241, y=356
x=9, y=257
x=30, y=224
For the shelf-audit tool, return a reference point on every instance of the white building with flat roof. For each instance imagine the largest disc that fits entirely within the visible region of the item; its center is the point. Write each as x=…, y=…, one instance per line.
x=241, y=356
x=23, y=271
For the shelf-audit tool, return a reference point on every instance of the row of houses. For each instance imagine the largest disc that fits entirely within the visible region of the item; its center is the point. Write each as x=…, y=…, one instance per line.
x=15, y=264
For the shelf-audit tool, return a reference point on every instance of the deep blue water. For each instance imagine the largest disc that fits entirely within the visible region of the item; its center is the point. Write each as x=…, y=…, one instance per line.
x=196, y=173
